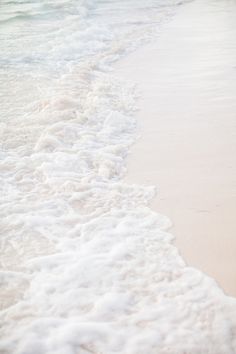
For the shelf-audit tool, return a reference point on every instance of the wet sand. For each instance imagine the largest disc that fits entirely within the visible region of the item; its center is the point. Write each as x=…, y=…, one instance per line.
x=187, y=122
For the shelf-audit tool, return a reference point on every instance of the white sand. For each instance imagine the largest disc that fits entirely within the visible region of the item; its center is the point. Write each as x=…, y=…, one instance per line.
x=187, y=81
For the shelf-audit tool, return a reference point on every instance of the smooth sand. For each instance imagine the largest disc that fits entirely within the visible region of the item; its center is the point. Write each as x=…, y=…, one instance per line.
x=187, y=120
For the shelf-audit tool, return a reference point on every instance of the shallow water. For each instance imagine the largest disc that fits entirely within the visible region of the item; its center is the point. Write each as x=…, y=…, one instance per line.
x=86, y=266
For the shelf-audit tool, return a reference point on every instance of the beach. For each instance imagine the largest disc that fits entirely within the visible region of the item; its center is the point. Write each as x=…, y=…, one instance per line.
x=187, y=126
x=117, y=177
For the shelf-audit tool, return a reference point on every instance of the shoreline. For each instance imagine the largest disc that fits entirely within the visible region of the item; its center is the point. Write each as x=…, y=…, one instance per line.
x=187, y=124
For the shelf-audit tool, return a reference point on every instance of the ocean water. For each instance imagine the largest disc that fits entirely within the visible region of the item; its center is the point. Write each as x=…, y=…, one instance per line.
x=85, y=265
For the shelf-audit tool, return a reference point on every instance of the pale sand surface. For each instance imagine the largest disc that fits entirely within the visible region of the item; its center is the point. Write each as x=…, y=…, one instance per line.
x=187, y=120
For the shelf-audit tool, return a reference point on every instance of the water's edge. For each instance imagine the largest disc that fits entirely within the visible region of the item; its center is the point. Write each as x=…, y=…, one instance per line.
x=87, y=267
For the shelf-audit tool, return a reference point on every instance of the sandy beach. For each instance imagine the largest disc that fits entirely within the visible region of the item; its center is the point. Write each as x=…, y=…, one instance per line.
x=87, y=265
x=187, y=85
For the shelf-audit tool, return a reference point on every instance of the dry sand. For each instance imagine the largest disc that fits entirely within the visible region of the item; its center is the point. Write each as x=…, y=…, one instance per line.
x=187, y=120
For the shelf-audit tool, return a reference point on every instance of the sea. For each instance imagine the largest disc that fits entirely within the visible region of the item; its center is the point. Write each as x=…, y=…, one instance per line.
x=85, y=265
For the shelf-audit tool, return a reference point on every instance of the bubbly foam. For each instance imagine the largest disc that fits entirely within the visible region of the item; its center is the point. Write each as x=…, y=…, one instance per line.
x=86, y=266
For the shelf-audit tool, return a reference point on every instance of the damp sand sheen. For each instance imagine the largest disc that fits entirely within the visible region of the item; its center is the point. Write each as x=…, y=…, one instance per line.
x=187, y=120
x=88, y=261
